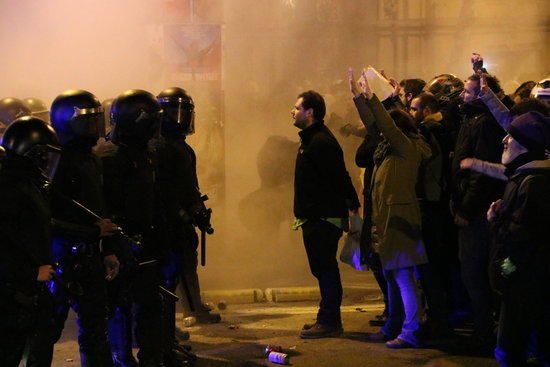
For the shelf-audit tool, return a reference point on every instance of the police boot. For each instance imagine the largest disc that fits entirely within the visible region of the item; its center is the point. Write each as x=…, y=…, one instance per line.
x=200, y=311
x=181, y=334
x=180, y=356
x=124, y=360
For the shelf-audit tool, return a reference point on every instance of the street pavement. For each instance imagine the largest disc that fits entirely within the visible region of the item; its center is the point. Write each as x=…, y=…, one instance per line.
x=246, y=329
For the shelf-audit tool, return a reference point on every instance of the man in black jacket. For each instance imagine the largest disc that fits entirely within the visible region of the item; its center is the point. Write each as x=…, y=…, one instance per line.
x=479, y=137
x=433, y=197
x=520, y=258
x=25, y=260
x=323, y=193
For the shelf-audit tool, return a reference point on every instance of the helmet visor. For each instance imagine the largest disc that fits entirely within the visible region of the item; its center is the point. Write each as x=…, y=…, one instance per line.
x=87, y=125
x=183, y=115
x=46, y=157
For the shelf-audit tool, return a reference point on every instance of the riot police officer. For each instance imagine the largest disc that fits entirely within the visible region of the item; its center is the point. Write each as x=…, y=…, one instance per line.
x=130, y=195
x=25, y=262
x=81, y=245
x=183, y=207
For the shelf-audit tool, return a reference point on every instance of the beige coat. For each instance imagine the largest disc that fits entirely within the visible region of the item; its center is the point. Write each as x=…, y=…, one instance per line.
x=396, y=213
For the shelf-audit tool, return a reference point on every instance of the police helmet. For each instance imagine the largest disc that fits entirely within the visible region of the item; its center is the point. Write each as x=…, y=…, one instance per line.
x=11, y=109
x=135, y=118
x=445, y=87
x=38, y=108
x=542, y=91
x=32, y=138
x=76, y=116
x=179, y=112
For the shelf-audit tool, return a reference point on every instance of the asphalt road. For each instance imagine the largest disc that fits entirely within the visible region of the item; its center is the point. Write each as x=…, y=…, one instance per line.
x=246, y=329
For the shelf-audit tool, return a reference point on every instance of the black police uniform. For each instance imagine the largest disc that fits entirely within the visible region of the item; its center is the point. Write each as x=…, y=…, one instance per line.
x=26, y=306
x=181, y=203
x=180, y=196
x=76, y=243
x=129, y=187
x=77, y=250
x=129, y=190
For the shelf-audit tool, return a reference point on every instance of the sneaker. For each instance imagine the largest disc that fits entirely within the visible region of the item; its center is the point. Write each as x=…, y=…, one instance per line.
x=318, y=331
x=399, y=344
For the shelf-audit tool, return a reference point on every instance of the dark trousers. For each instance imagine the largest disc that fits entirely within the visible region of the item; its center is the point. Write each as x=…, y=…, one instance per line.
x=12, y=344
x=18, y=325
x=142, y=310
x=321, y=243
x=370, y=257
x=524, y=318
x=91, y=307
x=435, y=275
x=474, y=242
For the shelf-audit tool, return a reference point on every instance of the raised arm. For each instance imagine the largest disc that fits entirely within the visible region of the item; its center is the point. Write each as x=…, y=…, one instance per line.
x=398, y=141
x=500, y=112
x=360, y=101
x=494, y=170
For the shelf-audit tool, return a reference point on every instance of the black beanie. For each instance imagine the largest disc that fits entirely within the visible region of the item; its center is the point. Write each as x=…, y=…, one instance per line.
x=532, y=130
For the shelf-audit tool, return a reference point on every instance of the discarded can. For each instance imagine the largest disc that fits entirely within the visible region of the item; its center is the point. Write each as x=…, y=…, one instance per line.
x=279, y=358
x=222, y=305
x=189, y=321
x=272, y=348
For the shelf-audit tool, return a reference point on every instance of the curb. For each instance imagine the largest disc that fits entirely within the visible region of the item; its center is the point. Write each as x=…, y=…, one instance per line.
x=283, y=294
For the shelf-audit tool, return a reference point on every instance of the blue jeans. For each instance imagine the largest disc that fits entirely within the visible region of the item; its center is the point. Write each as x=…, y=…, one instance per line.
x=405, y=307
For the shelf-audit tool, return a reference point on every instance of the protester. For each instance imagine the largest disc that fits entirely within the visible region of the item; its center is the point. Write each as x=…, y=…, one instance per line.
x=323, y=193
x=364, y=158
x=520, y=258
x=396, y=219
x=433, y=196
x=479, y=137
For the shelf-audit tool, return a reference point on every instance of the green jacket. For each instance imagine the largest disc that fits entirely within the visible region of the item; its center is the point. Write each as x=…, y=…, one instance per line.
x=396, y=213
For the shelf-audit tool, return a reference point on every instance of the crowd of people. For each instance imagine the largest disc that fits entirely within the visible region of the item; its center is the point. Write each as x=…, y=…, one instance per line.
x=99, y=214
x=456, y=203
x=99, y=205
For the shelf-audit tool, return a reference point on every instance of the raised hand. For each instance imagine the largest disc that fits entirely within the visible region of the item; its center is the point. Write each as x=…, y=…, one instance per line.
x=394, y=83
x=364, y=84
x=353, y=87
x=477, y=61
